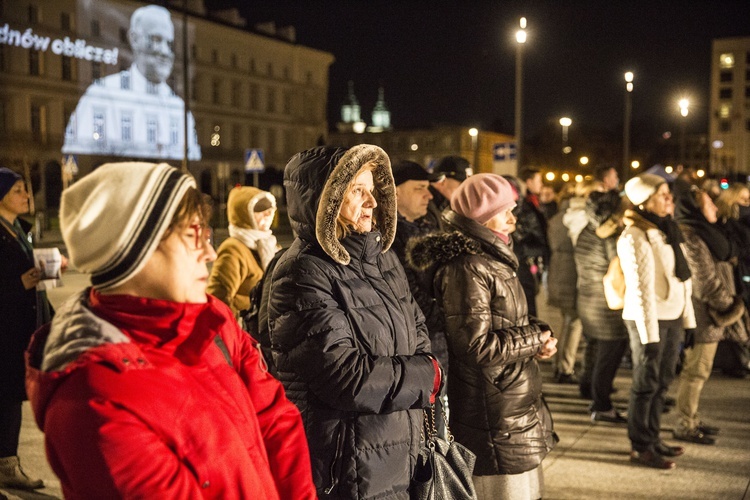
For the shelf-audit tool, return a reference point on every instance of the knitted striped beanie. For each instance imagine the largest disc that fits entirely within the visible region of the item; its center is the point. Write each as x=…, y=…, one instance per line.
x=113, y=219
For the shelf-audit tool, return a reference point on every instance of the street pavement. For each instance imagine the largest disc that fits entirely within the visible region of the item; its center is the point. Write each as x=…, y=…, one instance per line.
x=590, y=461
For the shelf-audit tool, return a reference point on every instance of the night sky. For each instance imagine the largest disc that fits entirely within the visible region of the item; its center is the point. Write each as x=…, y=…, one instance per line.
x=454, y=62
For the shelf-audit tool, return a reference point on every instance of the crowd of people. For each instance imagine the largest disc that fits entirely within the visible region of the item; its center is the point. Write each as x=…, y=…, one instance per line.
x=306, y=372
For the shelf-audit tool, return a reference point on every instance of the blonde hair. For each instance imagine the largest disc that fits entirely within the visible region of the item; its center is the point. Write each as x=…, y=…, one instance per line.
x=728, y=201
x=345, y=226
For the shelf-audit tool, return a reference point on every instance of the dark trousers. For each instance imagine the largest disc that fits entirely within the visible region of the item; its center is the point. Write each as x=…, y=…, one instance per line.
x=589, y=361
x=653, y=370
x=529, y=285
x=607, y=361
x=10, y=427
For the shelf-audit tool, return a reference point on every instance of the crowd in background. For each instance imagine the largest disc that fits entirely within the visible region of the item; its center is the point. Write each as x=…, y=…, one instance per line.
x=404, y=290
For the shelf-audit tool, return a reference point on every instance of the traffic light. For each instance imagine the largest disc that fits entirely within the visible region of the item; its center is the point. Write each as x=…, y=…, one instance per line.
x=724, y=183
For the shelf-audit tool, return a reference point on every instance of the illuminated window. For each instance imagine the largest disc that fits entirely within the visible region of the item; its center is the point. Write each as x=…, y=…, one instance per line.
x=98, y=126
x=174, y=127
x=65, y=21
x=725, y=76
x=125, y=80
x=725, y=93
x=151, y=129
x=95, y=29
x=725, y=110
x=726, y=60
x=67, y=72
x=126, y=127
x=33, y=14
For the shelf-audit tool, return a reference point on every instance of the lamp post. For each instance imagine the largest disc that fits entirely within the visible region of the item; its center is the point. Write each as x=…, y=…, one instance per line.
x=684, y=104
x=626, y=125
x=473, y=132
x=520, y=39
x=565, y=122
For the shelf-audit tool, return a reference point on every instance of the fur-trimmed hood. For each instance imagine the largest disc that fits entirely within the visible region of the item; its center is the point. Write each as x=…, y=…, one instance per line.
x=468, y=237
x=316, y=181
x=241, y=205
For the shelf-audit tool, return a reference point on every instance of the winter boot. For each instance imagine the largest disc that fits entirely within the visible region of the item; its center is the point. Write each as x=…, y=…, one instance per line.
x=13, y=476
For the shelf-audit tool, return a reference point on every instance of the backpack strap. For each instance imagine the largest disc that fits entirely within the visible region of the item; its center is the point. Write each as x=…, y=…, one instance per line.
x=223, y=347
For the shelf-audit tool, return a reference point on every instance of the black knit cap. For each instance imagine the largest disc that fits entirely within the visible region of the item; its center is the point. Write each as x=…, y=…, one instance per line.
x=406, y=170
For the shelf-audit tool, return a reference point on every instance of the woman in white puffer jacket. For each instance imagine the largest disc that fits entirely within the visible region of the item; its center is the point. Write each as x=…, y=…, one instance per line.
x=657, y=310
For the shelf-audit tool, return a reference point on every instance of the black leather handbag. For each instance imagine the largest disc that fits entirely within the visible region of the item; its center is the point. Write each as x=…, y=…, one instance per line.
x=444, y=467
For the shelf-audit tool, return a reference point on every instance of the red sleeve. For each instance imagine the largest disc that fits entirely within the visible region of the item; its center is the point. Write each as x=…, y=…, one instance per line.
x=438, y=379
x=280, y=422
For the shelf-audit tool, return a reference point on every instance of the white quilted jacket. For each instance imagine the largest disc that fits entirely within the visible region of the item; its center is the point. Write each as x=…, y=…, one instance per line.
x=652, y=291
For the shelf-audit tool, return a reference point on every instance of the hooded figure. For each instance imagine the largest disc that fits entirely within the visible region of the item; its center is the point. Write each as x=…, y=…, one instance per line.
x=495, y=386
x=244, y=256
x=349, y=342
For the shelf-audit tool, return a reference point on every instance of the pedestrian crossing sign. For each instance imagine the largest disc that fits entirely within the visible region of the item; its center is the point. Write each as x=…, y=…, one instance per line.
x=254, y=161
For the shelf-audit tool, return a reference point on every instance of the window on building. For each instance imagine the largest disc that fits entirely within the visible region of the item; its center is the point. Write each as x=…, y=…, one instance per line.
x=67, y=68
x=272, y=142
x=151, y=88
x=725, y=111
x=36, y=120
x=126, y=127
x=123, y=35
x=287, y=103
x=725, y=93
x=289, y=143
x=726, y=60
x=254, y=137
x=99, y=132
x=33, y=13
x=69, y=124
x=725, y=126
x=725, y=76
x=95, y=28
x=236, y=90
x=65, y=21
x=236, y=136
x=174, y=131
x=125, y=80
x=151, y=129
x=254, y=97
x=96, y=72
x=271, y=102
x=35, y=66
x=215, y=91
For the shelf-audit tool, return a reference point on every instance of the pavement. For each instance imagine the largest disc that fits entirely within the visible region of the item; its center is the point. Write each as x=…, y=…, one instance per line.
x=591, y=461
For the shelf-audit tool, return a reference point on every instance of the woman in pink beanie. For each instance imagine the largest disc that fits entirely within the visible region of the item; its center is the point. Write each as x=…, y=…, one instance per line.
x=495, y=392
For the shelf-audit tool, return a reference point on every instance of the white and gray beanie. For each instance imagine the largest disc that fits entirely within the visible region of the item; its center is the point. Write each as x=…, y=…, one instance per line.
x=113, y=219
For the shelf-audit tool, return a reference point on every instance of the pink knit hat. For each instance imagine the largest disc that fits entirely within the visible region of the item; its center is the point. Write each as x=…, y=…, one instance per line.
x=482, y=196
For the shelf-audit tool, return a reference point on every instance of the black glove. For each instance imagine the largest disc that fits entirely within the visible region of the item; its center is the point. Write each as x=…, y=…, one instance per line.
x=651, y=350
x=689, y=338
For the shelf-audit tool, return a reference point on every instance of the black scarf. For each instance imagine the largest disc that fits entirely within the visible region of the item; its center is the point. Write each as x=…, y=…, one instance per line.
x=689, y=213
x=674, y=237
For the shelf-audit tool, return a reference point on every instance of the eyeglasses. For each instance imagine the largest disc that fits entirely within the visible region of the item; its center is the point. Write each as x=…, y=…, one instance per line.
x=202, y=236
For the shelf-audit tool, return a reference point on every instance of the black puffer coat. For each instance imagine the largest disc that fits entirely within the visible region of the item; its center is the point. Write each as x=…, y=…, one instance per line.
x=494, y=385
x=595, y=249
x=18, y=310
x=348, y=339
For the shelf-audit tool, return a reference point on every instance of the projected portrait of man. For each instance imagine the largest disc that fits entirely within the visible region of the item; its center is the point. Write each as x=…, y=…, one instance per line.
x=135, y=113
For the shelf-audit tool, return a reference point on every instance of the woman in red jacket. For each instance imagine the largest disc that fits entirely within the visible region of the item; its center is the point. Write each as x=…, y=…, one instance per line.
x=144, y=386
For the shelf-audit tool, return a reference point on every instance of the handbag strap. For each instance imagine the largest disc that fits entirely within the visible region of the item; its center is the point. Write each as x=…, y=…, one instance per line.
x=429, y=431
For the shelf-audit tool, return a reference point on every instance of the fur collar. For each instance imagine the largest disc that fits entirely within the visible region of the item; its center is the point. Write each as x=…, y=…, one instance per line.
x=633, y=218
x=316, y=182
x=435, y=249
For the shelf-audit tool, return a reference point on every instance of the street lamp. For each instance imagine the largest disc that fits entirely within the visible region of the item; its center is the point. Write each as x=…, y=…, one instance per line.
x=684, y=104
x=473, y=132
x=565, y=122
x=520, y=39
x=626, y=125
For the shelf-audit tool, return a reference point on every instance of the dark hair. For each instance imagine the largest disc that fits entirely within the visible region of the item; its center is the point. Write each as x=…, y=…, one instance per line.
x=600, y=171
x=528, y=173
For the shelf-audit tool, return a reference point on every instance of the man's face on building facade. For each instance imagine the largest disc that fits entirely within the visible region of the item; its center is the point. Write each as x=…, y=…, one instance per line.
x=152, y=41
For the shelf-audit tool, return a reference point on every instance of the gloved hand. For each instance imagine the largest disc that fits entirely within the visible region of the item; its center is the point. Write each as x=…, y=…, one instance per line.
x=651, y=350
x=689, y=338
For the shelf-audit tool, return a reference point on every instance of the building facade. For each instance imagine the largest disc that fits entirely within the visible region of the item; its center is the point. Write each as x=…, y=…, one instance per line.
x=245, y=89
x=729, y=123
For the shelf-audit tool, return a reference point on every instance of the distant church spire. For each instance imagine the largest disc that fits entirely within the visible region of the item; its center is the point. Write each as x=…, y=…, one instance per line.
x=381, y=117
x=350, y=110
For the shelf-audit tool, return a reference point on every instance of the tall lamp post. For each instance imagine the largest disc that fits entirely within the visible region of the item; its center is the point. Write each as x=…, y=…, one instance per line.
x=626, y=125
x=684, y=104
x=565, y=122
x=473, y=132
x=520, y=39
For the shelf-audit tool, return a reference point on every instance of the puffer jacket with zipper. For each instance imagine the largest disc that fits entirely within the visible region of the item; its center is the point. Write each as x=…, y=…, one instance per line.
x=495, y=387
x=348, y=340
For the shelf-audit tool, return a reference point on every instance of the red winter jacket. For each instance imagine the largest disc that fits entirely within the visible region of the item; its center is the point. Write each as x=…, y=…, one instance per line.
x=136, y=400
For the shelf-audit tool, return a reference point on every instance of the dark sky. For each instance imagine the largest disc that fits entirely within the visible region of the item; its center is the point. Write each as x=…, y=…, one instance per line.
x=454, y=62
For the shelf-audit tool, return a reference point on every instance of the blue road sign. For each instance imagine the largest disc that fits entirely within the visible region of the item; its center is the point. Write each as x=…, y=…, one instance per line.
x=254, y=161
